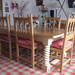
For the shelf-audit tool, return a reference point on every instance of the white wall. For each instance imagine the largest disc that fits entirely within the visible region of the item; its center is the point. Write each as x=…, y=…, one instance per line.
x=11, y=12
x=32, y=8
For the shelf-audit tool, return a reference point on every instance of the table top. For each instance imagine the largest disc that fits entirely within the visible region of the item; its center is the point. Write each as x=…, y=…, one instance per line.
x=48, y=32
x=41, y=32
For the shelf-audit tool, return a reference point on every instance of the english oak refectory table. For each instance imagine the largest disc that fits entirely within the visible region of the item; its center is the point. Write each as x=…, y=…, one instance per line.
x=46, y=36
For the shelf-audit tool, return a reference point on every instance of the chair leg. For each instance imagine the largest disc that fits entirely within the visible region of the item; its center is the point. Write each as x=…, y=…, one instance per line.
x=70, y=55
x=17, y=47
x=62, y=59
x=61, y=69
x=10, y=51
x=33, y=58
x=0, y=48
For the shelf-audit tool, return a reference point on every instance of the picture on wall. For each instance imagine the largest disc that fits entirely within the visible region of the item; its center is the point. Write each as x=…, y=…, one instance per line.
x=39, y=2
x=6, y=9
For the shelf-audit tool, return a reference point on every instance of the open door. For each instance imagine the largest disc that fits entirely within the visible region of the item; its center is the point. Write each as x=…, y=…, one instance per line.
x=1, y=12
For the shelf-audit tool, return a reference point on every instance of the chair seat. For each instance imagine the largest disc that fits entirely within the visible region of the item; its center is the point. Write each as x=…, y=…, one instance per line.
x=6, y=37
x=59, y=43
x=28, y=42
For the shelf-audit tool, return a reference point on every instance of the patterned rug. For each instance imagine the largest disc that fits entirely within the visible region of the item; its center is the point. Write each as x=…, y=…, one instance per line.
x=11, y=67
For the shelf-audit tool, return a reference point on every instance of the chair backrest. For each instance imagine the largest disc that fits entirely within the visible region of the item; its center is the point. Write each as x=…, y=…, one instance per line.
x=52, y=22
x=5, y=25
x=21, y=29
x=36, y=20
x=69, y=30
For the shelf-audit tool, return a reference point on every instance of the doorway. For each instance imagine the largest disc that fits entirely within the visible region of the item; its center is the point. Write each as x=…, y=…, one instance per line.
x=1, y=10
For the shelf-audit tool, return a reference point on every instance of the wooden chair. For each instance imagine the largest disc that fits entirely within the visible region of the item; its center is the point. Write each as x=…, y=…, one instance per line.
x=52, y=22
x=6, y=41
x=36, y=20
x=25, y=39
x=64, y=45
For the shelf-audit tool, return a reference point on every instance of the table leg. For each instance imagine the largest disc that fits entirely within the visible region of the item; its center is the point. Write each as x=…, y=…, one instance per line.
x=46, y=65
x=47, y=43
x=65, y=54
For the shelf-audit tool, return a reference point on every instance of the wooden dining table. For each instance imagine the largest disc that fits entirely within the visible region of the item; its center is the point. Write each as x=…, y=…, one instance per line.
x=46, y=36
